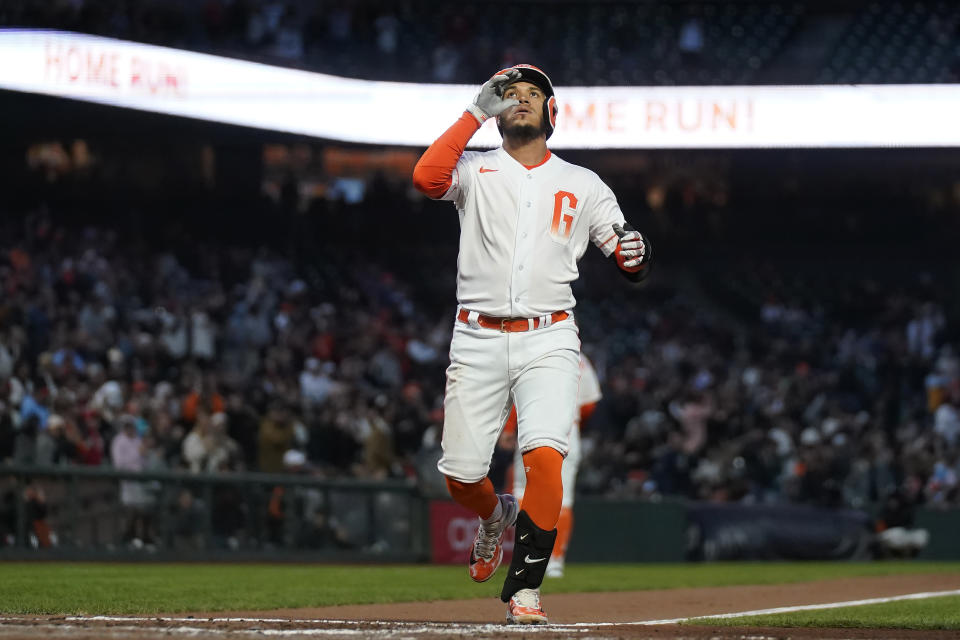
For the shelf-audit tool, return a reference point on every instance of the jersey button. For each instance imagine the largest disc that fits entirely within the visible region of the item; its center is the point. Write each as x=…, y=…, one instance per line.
x=529, y=204
x=529, y=176
x=517, y=299
x=521, y=267
x=524, y=234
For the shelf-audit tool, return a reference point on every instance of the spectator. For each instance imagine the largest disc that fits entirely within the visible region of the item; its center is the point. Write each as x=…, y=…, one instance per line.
x=90, y=441
x=691, y=40
x=187, y=522
x=53, y=445
x=204, y=396
x=168, y=438
x=25, y=444
x=35, y=404
x=40, y=534
x=276, y=436
x=316, y=385
x=197, y=445
x=242, y=427
x=946, y=419
x=224, y=453
x=7, y=434
x=127, y=454
x=203, y=339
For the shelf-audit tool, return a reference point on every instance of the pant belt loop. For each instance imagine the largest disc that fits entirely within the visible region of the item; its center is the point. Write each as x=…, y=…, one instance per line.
x=473, y=319
x=546, y=321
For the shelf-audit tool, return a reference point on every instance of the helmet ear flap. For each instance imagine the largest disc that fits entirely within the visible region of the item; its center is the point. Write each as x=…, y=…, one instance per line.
x=550, y=111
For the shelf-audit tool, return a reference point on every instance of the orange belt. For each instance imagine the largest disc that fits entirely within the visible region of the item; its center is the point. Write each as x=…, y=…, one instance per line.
x=509, y=325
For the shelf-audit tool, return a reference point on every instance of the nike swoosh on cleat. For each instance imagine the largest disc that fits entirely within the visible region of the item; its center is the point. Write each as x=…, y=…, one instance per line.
x=485, y=170
x=530, y=560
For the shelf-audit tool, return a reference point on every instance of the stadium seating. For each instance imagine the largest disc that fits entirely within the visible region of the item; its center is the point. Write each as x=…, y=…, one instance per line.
x=898, y=42
x=585, y=43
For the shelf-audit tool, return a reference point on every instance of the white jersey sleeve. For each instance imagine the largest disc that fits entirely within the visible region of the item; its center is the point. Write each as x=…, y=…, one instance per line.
x=462, y=179
x=606, y=213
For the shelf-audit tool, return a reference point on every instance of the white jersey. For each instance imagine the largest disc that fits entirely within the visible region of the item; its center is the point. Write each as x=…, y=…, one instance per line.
x=589, y=390
x=522, y=231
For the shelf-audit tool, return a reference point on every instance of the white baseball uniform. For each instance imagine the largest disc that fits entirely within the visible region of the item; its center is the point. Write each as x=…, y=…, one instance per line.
x=522, y=232
x=588, y=393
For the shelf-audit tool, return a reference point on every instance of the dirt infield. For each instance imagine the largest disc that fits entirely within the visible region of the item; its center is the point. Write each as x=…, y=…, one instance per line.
x=595, y=615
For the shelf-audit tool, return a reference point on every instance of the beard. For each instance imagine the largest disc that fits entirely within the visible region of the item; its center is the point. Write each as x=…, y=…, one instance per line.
x=523, y=133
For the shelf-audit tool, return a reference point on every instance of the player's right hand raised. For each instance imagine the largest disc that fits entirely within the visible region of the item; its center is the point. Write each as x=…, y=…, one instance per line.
x=489, y=101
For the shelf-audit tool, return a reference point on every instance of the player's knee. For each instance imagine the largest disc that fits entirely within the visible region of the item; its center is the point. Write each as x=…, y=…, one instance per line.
x=543, y=460
x=463, y=470
x=456, y=487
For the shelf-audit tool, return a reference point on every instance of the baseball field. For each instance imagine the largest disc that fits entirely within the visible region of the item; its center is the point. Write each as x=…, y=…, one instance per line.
x=718, y=600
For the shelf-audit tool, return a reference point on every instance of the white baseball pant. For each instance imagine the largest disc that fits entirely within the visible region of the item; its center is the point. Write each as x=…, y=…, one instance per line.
x=571, y=464
x=538, y=370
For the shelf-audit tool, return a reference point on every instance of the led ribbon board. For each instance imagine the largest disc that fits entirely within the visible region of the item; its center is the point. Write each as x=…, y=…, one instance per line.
x=196, y=85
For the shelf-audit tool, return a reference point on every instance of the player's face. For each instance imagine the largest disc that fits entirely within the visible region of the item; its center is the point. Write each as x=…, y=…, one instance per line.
x=530, y=109
x=523, y=122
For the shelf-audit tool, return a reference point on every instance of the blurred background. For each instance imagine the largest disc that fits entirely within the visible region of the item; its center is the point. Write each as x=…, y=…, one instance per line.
x=226, y=340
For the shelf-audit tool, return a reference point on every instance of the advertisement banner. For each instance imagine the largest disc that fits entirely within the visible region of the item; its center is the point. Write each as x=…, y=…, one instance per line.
x=452, y=530
x=218, y=89
x=726, y=531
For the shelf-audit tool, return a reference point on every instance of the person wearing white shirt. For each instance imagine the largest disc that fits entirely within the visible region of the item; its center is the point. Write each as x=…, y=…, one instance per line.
x=526, y=219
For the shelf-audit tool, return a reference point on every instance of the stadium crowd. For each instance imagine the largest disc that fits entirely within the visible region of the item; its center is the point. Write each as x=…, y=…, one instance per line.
x=773, y=380
x=235, y=358
x=615, y=43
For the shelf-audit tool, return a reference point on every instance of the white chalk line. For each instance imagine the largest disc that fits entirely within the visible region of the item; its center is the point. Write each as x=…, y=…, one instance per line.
x=806, y=607
x=392, y=628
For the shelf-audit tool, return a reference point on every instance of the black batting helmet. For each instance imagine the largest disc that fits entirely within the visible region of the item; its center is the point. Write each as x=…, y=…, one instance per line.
x=536, y=76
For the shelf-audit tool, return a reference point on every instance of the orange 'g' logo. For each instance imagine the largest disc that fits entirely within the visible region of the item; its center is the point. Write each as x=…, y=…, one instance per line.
x=563, y=214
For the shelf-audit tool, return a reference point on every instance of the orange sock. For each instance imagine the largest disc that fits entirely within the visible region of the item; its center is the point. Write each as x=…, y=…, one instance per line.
x=479, y=497
x=544, y=493
x=564, y=529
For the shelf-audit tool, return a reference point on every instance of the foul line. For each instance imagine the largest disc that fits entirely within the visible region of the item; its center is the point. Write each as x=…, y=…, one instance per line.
x=803, y=607
x=407, y=627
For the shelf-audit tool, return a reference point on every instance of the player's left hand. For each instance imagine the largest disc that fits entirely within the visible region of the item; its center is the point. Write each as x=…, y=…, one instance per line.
x=632, y=247
x=489, y=101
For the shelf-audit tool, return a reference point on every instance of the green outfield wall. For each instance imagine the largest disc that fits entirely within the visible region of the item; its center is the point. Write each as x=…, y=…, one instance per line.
x=628, y=531
x=944, y=528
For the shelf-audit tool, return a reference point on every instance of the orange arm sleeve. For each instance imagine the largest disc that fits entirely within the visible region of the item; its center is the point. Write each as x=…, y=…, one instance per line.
x=433, y=174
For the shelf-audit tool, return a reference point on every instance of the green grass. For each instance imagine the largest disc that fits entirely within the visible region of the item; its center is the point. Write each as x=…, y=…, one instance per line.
x=89, y=588
x=931, y=613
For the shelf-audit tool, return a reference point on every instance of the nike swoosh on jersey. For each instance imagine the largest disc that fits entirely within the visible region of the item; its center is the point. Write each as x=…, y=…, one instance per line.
x=524, y=537
x=485, y=170
x=530, y=560
x=518, y=572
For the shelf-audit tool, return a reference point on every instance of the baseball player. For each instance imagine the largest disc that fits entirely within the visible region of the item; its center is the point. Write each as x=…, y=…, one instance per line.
x=526, y=217
x=588, y=395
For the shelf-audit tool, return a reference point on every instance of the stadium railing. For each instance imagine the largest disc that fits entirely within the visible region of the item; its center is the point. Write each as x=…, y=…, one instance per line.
x=89, y=513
